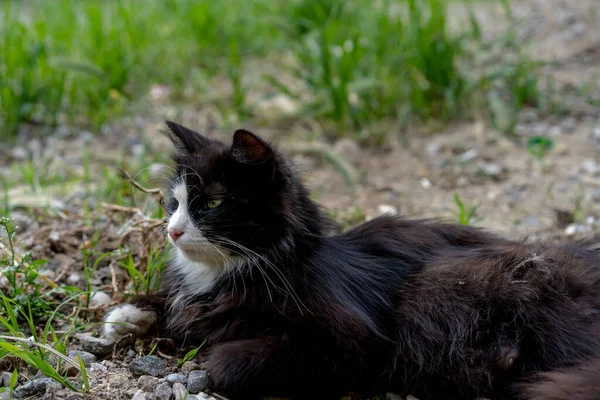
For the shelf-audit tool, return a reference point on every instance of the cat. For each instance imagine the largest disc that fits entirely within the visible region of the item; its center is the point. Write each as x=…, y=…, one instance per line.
x=422, y=307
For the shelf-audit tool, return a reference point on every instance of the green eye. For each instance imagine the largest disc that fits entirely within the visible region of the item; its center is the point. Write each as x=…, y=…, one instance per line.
x=213, y=203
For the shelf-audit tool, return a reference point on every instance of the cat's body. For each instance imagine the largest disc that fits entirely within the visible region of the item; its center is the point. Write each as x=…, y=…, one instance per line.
x=414, y=307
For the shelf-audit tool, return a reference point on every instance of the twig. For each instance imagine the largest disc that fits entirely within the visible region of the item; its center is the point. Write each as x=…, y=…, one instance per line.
x=155, y=192
x=116, y=207
x=163, y=355
x=113, y=276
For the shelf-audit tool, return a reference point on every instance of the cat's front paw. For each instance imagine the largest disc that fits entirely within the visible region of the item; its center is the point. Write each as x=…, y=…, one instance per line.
x=125, y=319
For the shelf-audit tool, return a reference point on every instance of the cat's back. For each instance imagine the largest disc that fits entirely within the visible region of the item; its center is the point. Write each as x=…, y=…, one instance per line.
x=468, y=306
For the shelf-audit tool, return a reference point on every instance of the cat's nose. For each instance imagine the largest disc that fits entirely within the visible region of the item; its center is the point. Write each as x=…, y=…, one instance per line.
x=175, y=234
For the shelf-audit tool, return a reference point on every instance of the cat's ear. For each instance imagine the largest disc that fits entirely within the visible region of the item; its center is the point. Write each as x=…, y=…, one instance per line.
x=248, y=148
x=185, y=139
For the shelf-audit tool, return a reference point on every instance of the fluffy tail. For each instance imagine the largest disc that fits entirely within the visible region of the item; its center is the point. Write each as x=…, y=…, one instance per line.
x=581, y=382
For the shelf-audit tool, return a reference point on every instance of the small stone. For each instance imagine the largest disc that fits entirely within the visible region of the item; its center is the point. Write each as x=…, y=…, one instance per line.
x=433, y=149
x=577, y=229
x=86, y=357
x=18, y=153
x=426, y=183
x=147, y=383
x=73, y=278
x=493, y=170
x=164, y=391
x=148, y=365
x=99, y=299
x=596, y=195
x=5, y=379
x=32, y=388
x=174, y=378
x=141, y=395
x=189, y=366
x=179, y=391
x=469, y=155
x=4, y=395
x=96, y=345
x=118, y=380
x=589, y=167
x=53, y=387
x=411, y=397
x=197, y=381
x=98, y=367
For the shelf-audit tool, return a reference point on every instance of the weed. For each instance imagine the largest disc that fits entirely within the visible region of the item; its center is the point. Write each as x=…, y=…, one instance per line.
x=539, y=146
x=466, y=213
x=148, y=281
x=190, y=355
x=92, y=59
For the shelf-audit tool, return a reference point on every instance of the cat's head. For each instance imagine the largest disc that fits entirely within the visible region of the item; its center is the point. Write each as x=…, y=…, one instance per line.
x=233, y=199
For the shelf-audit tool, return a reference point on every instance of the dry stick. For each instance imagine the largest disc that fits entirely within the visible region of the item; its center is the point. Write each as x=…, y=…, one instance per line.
x=113, y=276
x=116, y=207
x=155, y=192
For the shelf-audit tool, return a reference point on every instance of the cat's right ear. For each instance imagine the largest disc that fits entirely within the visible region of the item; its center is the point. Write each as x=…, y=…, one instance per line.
x=185, y=139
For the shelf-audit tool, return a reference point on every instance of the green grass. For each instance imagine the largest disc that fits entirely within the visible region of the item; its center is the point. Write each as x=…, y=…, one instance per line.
x=466, y=214
x=27, y=312
x=352, y=63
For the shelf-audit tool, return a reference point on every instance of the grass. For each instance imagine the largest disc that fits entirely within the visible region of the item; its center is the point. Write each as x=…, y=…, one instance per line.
x=465, y=214
x=86, y=62
x=25, y=305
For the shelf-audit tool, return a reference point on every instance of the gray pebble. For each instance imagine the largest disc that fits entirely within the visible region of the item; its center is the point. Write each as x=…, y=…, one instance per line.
x=577, y=229
x=596, y=195
x=86, y=357
x=141, y=395
x=5, y=379
x=469, y=155
x=97, y=345
x=163, y=392
x=19, y=153
x=4, y=395
x=98, y=367
x=32, y=388
x=174, y=378
x=148, y=365
x=179, y=391
x=589, y=167
x=189, y=366
x=147, y=383
x=197, y=381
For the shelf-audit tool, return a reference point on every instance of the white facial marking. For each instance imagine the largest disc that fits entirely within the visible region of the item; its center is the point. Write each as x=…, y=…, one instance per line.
x=198, y=261
x=180, y=221
x=125, y=319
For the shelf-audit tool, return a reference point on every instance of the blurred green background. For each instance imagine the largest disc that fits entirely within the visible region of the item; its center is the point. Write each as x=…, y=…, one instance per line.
x=351, y=64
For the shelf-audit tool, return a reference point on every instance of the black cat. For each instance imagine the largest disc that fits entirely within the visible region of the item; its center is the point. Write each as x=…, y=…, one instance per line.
x=436, y=310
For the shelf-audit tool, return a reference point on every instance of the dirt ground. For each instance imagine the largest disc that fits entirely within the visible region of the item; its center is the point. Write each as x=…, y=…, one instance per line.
x=518, y=196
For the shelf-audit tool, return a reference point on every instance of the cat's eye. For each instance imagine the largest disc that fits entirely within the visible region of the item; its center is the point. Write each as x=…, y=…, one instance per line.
x=213, y=203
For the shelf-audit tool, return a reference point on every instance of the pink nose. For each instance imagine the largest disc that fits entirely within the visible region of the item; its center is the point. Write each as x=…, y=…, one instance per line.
x=175, y=235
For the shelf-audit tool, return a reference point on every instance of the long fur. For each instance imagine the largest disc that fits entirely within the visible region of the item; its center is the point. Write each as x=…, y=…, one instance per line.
x=418, y=307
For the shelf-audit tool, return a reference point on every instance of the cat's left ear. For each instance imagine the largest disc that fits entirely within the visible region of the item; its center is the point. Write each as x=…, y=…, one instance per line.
x=248, y=149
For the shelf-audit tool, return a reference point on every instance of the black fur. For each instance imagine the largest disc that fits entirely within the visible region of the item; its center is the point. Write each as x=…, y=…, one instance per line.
x=436, y=310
